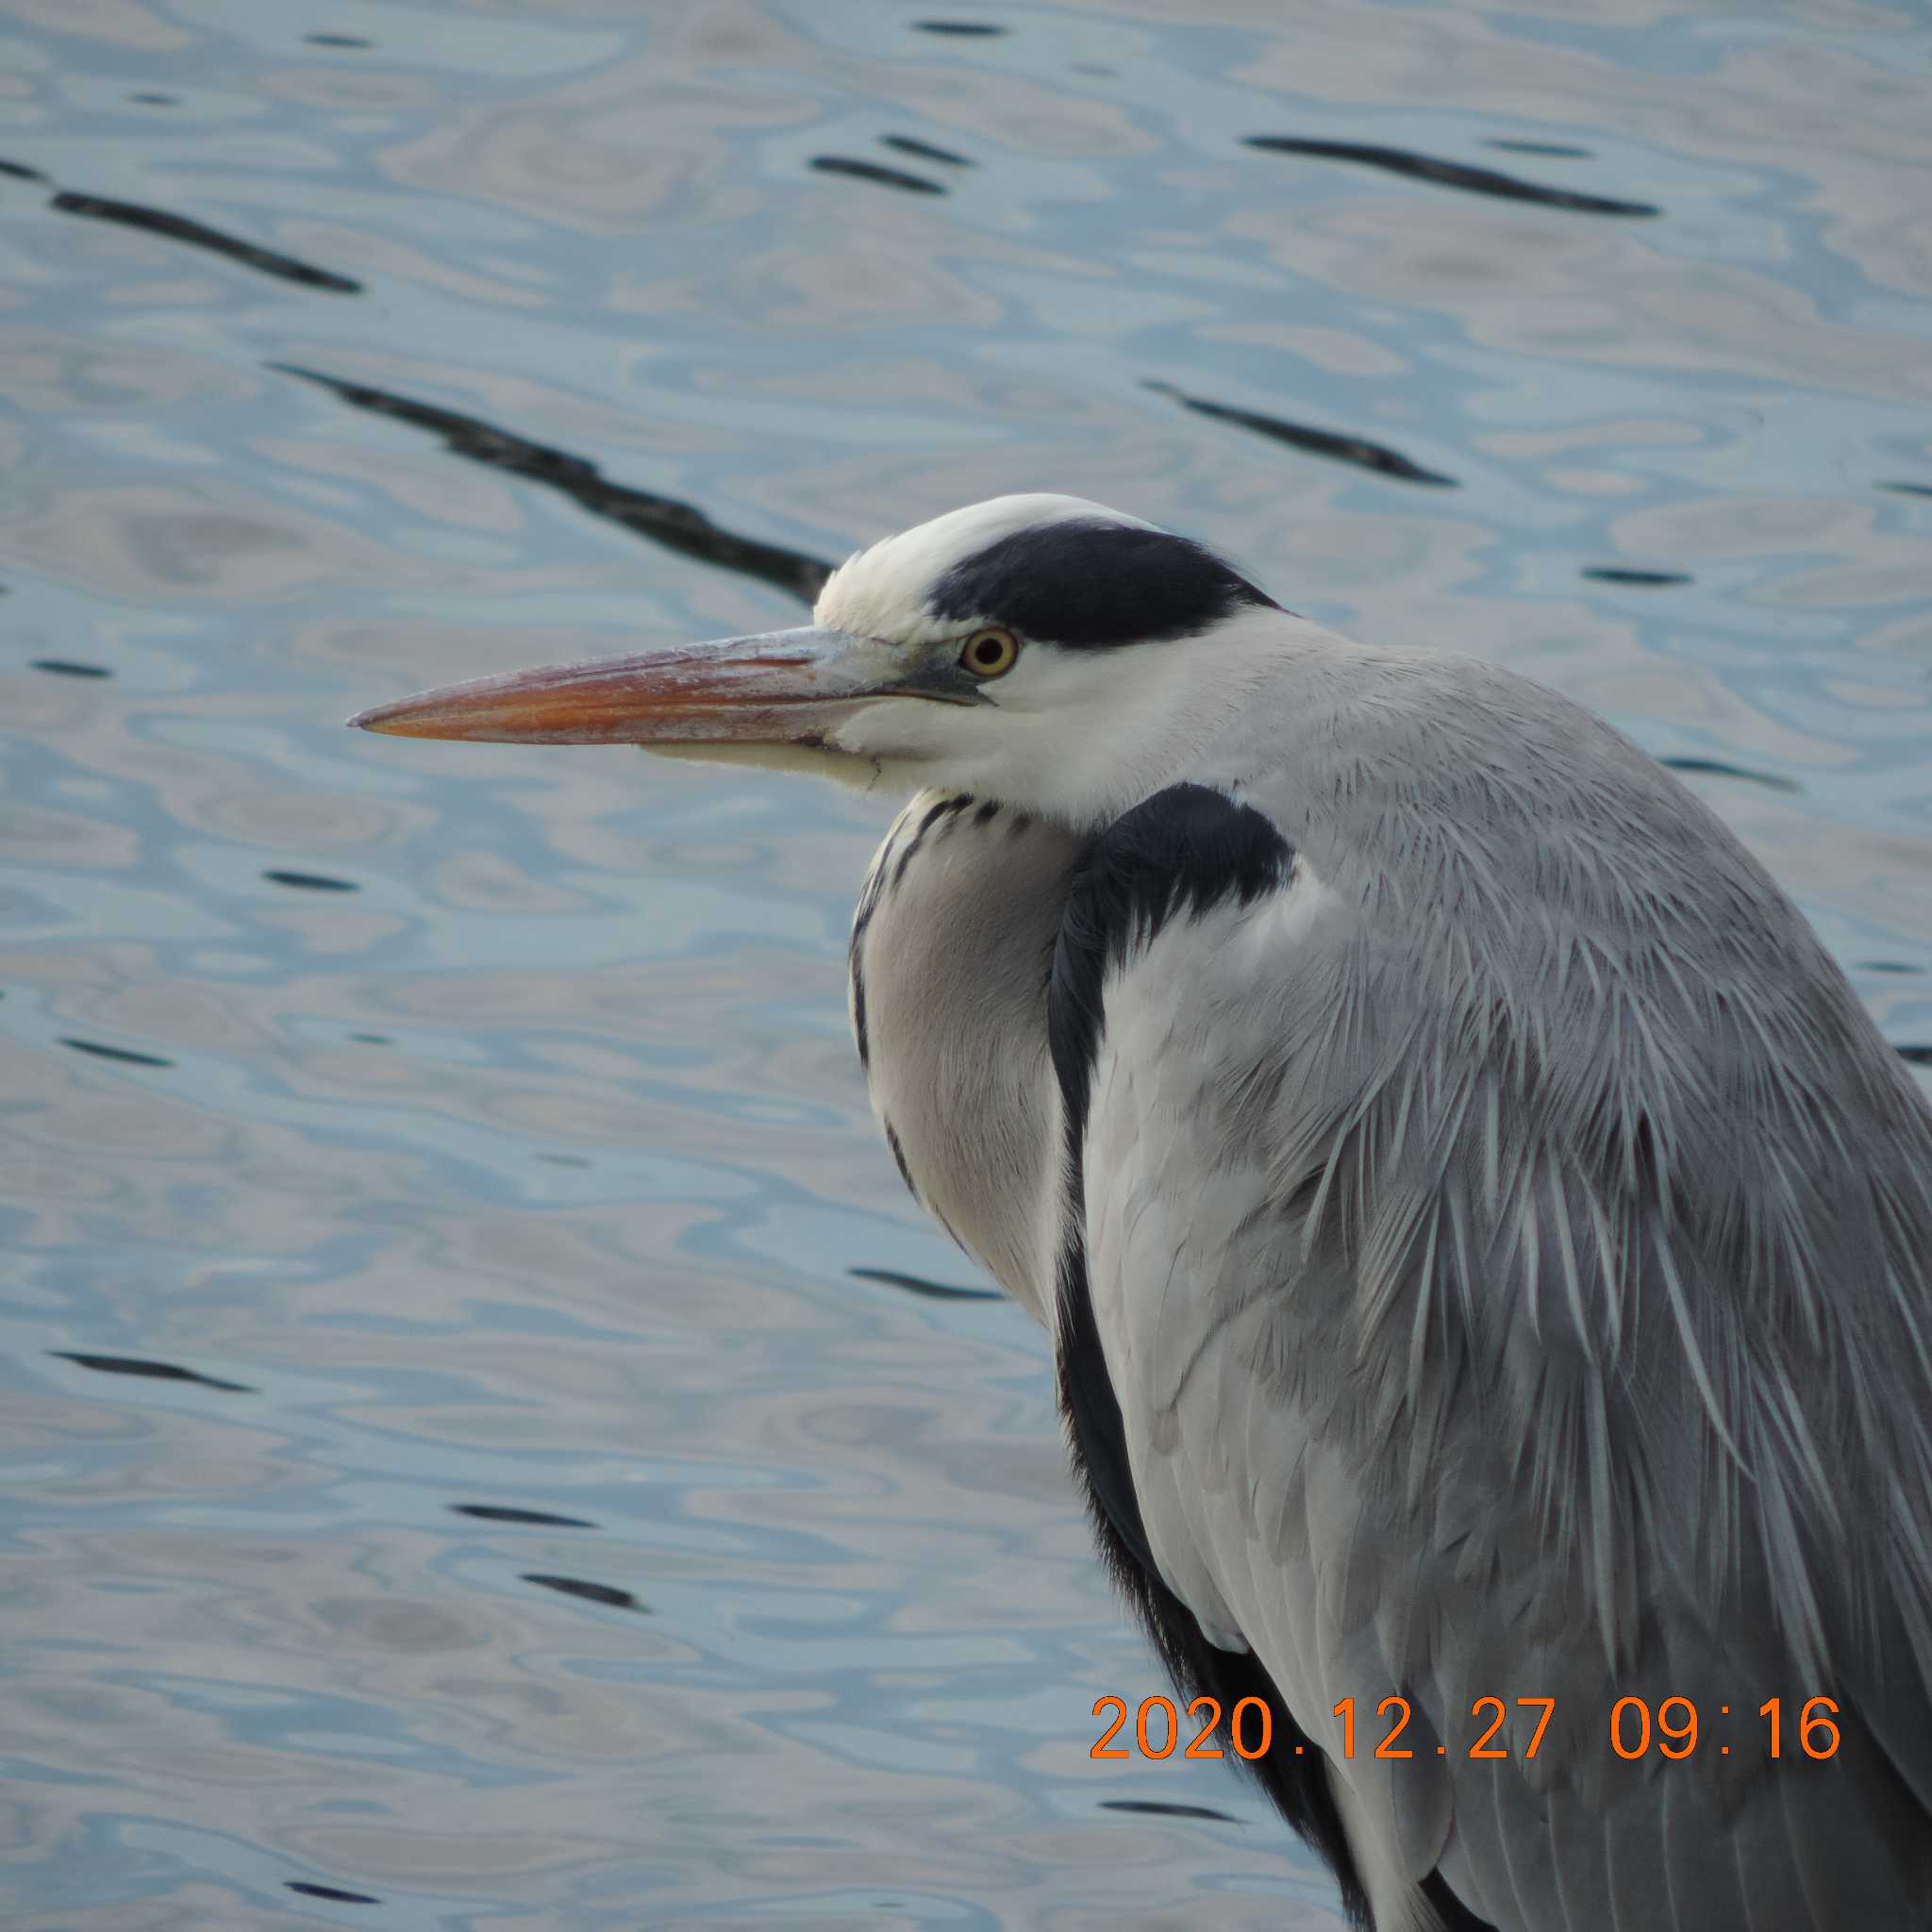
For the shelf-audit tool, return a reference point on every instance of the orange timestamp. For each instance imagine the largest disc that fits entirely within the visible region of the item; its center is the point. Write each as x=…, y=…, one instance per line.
x=1674, y=1728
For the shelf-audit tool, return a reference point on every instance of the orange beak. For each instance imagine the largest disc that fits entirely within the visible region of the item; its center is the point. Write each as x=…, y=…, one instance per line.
x=783, y=686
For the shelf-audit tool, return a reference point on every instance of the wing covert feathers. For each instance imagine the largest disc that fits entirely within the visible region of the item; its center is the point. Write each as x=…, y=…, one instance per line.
x=1506, y=1239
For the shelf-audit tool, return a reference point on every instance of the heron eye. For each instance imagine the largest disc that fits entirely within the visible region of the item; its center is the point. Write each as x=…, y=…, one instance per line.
x=991, y=653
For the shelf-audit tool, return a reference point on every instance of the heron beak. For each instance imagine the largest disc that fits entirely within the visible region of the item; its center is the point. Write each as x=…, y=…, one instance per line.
x=779, y=687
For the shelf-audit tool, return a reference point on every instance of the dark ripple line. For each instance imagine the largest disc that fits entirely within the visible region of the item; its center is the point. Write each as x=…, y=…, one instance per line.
x=332, y=1892
x=71, y=667
x=1562, y=150
x=678, y=526
x=1916, y=1056
x=536, y=1519
x=606, y=1593
x=1160, y=1807
x=1356, y=450
x=1719, y=768
x=20, y=171
x=925, y=151
x=918, y=1283
x=1909, y=489
x=1641, y=580
x=960, y=30
x=877, y=172
x=1400, y=160
x=311, y=881
x=158, y=1372
x=125, y=1054
x=157, y=220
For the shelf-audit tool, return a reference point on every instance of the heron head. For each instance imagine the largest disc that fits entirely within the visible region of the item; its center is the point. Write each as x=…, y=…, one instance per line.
x=1040, y=650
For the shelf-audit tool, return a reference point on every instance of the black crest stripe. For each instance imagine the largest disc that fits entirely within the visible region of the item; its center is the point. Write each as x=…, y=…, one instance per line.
x=1182, y=851
x=1087, y=584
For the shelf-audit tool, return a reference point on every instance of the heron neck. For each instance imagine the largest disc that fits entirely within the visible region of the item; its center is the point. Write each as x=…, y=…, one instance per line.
x=950, y=947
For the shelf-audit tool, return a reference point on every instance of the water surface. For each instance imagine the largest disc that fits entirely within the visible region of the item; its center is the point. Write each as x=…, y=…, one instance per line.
x=478, y=1451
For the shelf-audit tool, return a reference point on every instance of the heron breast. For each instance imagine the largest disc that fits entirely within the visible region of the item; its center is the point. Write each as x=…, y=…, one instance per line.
x=952, y=943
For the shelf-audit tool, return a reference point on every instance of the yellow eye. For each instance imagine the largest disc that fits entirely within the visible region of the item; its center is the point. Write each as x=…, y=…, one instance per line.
x=991, y=653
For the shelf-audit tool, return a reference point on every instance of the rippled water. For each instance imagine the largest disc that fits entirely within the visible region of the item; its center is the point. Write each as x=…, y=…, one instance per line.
x=479, y=1452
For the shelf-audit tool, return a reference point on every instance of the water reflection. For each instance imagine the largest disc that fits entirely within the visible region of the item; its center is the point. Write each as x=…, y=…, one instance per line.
x=488, y=1440
x=67, y=667
x=1442, y=174
x=192, y=234
x=1339, y=448
x=876, y=172
x=675, y=525
x=606, y=1594
x=1636, y=579
x=1723, y=768
x=308, y=881
x=1153, y=1808
x=126, y=1056
x=925, y=151
x=500, y=1512
x=161, y=1372
x=917, y=1284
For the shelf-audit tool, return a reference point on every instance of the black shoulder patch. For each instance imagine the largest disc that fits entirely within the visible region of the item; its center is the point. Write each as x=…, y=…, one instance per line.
x=1087, y=584
x=1185, y=849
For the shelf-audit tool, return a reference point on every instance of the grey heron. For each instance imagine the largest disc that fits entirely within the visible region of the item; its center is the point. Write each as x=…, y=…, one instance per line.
x=1486, y=1245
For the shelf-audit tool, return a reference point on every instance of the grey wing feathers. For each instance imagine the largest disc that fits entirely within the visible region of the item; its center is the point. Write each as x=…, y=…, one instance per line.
x=1524, y=1295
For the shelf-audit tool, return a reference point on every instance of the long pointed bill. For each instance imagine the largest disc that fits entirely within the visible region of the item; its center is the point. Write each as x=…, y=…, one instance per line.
x=783, y=686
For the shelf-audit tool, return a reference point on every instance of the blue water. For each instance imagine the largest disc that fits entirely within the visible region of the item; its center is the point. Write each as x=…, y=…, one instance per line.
x=454, y=1476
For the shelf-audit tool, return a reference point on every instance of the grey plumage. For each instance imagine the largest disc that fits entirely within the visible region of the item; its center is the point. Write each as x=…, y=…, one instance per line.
x=1495, y=1301
x=1503, y=1238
